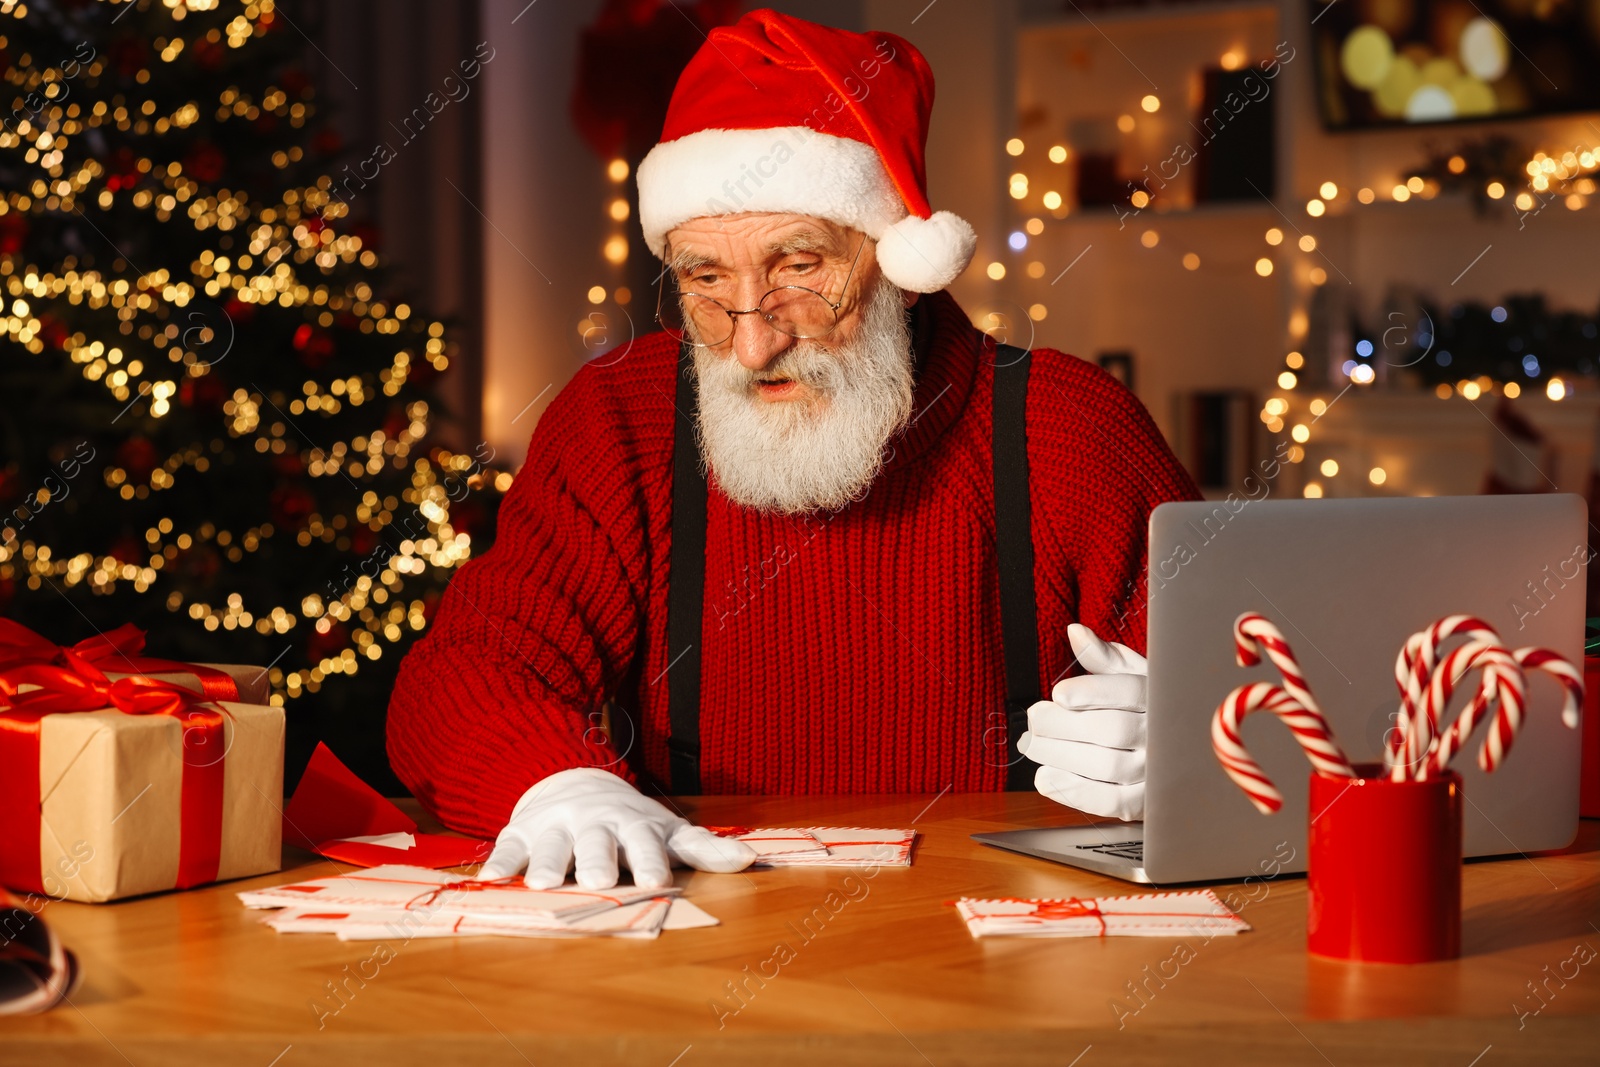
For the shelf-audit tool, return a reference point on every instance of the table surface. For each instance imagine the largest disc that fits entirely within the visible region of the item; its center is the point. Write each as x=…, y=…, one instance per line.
x=883, y=973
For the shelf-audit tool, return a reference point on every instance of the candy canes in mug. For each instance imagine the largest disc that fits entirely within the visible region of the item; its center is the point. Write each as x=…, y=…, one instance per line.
x=1414, y=734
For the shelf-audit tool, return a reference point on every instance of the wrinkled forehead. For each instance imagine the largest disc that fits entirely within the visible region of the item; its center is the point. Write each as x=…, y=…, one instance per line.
x=754, y=239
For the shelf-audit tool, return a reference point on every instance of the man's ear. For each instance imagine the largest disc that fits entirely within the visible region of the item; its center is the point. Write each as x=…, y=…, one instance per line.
x=908, y=298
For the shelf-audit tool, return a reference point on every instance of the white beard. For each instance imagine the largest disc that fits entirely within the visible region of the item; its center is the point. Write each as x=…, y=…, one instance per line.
x=818, y=454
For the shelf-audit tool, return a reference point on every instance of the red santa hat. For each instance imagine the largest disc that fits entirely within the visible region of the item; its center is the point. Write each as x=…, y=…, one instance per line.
x=776, y=114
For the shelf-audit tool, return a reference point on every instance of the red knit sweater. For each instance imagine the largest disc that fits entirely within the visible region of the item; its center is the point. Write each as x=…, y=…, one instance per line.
x=857, y=652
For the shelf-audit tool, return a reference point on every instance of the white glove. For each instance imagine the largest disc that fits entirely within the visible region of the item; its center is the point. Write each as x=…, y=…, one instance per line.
x=593, y=815
x=1089, y=738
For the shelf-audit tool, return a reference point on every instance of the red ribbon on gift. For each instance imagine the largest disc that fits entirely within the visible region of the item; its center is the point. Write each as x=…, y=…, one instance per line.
x=81, y=686
x=115, y=650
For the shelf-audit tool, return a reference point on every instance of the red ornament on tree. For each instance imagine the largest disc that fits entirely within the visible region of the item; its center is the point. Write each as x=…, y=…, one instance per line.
x=200, y=565
x=139, y=457
x=469, y=517
x=320, y=646
x=395, y=422
x=368, y=235
x=205, y=393
x=327, y=142
x=122, y=170
x=208, y=54
x=52, y=332
x=13, y=232
x=291, y=506
x=315, y=346
x=205, y=161
x=421, y=373
x=126, y=550
x=239, y=311
x=128, y=55
x=293, y=82
x=363, y=540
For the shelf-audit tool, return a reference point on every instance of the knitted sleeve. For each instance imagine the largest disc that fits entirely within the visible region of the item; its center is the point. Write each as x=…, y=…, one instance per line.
x=1119, y=469
x=507, y=685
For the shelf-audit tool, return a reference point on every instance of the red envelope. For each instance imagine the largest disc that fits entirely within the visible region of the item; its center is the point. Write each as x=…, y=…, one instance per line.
x=432, y=850
x=332, y=803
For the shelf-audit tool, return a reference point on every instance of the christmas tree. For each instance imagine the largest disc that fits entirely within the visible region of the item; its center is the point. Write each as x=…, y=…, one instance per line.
x=216, y=421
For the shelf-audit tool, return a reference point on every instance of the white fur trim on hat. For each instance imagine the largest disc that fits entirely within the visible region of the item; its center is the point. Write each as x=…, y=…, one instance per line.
x=794, y=169
x=787, y=169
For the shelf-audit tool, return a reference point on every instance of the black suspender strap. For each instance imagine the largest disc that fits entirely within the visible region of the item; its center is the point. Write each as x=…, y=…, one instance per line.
x=1013, y=537
x=685, y=586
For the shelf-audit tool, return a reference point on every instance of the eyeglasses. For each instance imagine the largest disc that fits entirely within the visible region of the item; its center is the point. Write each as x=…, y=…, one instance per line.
x=704, y=322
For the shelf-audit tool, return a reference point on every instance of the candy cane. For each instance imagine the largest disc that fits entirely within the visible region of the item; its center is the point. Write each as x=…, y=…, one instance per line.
x=1414, y=730
x=1513, y=707
x=1309, y=728
x=1252, y=634
x=1509, y=719
x=1501, y=683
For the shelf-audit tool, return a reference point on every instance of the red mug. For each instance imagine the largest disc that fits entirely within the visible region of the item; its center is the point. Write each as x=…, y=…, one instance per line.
x=1384, y=867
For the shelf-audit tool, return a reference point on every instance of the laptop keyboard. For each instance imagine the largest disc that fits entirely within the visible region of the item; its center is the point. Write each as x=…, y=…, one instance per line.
x=1123, y=850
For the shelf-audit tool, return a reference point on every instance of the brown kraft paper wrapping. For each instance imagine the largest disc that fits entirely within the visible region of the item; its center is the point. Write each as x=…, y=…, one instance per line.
x=109, y=791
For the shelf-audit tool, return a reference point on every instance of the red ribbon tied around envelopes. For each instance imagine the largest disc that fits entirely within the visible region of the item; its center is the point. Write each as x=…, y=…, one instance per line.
x=1070, y=908
x=81, y=686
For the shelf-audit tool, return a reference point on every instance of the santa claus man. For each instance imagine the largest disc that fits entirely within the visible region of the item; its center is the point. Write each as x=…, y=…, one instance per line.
x=817, y=535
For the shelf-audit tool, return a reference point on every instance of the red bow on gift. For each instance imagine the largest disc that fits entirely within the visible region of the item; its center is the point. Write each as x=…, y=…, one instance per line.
x=81, y=686
x=115, y=650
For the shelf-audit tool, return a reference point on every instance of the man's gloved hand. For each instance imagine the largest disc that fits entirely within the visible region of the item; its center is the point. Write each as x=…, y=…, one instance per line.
x=593, y=816
x=1089, y=738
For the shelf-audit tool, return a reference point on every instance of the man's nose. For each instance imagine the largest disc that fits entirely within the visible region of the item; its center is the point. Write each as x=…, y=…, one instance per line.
x=756, y=342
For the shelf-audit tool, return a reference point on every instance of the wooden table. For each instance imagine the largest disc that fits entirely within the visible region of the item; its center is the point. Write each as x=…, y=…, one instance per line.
x=883, y=973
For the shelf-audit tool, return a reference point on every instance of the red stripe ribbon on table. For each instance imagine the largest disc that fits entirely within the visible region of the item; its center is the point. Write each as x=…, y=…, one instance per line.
x=114, y=650
x=81, y=686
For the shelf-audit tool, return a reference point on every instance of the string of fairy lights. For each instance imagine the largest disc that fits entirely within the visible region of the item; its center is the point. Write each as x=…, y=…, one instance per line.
x=1575, y=168
x=614, y=250
x=288, y=244
x=1567, y=178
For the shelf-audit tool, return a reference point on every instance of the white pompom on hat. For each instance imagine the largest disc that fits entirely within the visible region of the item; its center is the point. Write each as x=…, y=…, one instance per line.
x=777, y=114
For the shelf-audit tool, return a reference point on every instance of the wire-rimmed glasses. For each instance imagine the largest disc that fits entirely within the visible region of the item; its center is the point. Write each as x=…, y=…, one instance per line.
x=704, y=322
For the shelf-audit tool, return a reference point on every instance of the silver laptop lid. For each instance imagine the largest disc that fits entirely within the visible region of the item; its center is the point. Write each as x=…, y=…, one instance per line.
x=1347, y=581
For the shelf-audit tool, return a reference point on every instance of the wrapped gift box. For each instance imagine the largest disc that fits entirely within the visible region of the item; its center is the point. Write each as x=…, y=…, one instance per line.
x=252, y=681
x=110, y=808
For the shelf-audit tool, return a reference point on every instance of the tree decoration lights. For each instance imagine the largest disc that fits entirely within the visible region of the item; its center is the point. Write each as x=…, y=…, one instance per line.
x=217, y=420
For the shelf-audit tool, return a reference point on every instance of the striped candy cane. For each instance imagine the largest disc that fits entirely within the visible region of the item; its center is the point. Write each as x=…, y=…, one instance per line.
x=1309, y=728
x=1414, y=730
x=1254, y=634
x=1571, y=679
x=1509, y=719
x=1513, y=705
x=1500, y=683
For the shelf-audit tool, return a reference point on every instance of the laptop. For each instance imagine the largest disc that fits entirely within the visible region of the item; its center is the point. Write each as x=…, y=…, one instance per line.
x=1347, y=581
